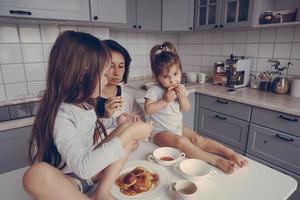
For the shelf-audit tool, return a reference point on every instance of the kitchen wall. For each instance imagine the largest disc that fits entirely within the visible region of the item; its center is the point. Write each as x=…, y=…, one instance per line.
x=200, y=50
x=24, y=50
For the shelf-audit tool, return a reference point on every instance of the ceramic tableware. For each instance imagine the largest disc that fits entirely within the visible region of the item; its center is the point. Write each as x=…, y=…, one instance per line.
x=185, y=190
x=166, y=156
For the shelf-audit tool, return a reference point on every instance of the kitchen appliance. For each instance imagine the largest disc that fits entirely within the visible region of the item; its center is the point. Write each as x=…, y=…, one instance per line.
x=295, y=89
x=280, y=85
x=219, y=77
x=237, y=71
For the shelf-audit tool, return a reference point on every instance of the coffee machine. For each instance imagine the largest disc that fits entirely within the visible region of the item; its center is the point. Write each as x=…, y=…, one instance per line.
x=237, y=71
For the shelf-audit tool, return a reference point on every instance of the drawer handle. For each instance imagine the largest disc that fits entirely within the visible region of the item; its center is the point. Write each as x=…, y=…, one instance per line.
x=222, y=102
x=288, y=119
x=19, y=12
x=284, y=138
x=220, y=117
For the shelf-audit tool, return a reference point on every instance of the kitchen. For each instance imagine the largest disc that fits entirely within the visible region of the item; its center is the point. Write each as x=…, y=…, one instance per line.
x=201, y=40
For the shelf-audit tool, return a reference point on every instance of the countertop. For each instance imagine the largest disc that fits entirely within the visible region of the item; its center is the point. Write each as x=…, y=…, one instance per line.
x=281, y=103
x=256, y=181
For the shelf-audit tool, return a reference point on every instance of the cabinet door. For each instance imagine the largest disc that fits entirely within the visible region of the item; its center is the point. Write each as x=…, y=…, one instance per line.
x=223, y=128
x=189, y=117
x=208, y=13
x=148, y=15
x=111, y=11
x=275, y=147
x=237, y=13
x=14, y=148
x=46, y=9
x=172, y=21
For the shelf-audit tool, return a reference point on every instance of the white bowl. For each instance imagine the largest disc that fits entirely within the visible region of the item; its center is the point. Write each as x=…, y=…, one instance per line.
x=166, y=156
x=191, y=76
x=195, y=170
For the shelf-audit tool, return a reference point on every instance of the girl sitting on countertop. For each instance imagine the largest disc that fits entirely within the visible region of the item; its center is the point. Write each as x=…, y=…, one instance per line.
x=165, y=101
x=66, y=132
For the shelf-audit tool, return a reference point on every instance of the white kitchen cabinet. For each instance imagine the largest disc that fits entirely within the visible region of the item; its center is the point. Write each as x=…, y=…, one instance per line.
x=177, y=15
x=77, y=10
x=142, y=15
x=108, y=11
x=223, y=13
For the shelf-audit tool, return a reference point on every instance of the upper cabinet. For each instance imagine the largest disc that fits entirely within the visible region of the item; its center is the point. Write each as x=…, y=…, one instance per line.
x=177, y=15
x=223, y=13
x=142, y=15
x=77, y=10
x=108, y=11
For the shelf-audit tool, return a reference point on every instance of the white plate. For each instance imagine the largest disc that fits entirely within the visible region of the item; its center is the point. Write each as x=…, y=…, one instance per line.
x=156, y=191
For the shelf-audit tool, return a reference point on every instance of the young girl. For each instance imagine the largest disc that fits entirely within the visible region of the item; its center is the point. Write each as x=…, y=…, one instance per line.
x=165, y=102
x=66, y=132
x=115, y=99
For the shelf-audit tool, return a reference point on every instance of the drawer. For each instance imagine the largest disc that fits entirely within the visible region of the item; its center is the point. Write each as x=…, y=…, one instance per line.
x=296, y=194
x=14, y=146
x=276, y=120
x=226, y=129
x=234, y=109
x=275, y=147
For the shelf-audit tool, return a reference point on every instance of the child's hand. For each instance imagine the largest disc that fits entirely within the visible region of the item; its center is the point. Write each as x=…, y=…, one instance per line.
x=140, y=130
x=125, y=117
x=112, y=105
x=170, y=96
x=181, y=91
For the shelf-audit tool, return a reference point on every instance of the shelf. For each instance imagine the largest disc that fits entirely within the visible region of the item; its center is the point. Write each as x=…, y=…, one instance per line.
x=277, y=24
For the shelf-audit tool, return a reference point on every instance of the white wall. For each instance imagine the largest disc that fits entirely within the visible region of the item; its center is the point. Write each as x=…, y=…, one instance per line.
x=199, y=51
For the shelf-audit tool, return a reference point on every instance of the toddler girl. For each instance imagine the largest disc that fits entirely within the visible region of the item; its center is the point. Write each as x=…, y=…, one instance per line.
x=165, y=101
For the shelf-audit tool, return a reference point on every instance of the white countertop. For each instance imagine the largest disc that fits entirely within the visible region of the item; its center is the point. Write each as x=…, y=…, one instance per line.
x=256, y=181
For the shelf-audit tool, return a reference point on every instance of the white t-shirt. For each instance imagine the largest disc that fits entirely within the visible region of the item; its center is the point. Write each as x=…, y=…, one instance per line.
x=167, y=119
x=73, y=137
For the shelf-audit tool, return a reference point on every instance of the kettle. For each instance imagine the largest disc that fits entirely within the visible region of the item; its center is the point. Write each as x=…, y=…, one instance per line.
x=280, y=85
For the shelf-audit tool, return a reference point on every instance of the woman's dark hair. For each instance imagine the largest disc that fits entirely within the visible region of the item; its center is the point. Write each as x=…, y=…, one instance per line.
x=114, y=46
x=76, y=63
x=163, y=56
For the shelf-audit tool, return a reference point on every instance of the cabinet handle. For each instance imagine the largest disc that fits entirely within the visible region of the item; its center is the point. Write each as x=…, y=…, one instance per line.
x=284, y=138
x=190, y=28
x=221, y=26
x=19, y=12
x=134, y=26
x=95, y=17
x=139, y=27
x=216, y=26
x=220, y=117
x=288, y=119
x=222, y=102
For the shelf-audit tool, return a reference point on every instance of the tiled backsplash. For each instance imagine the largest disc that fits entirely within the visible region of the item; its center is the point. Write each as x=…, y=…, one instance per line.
x=199, y=51
x=24, y=51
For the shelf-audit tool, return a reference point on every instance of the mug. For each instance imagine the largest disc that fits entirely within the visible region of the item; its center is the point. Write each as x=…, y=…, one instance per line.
x=185, y=190
x=201, y=77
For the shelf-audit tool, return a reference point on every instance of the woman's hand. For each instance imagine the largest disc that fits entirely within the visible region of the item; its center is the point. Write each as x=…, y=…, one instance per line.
x=180, y=91
x=112, y=105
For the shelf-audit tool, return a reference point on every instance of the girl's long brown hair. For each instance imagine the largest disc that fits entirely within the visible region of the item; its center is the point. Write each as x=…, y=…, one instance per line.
x=163, y=56
x=75, y=66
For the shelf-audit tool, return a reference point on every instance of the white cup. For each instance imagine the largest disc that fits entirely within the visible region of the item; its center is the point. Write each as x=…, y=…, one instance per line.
x=201, y=77
x=166, y=156
x=185, y=190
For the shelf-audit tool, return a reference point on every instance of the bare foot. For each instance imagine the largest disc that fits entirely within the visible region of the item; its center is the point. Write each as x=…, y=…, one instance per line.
x=239, y=160
x=225, y=165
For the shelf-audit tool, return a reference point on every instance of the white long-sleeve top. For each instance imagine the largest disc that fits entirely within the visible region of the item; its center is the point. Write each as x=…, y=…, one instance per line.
x=73, y=137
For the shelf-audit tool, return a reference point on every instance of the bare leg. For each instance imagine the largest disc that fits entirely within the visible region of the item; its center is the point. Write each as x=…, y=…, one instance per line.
x=44, y=182
x=192, y=151
x=214, y=147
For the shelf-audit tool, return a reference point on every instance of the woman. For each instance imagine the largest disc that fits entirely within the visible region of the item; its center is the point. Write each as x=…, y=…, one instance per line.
x=115, y=98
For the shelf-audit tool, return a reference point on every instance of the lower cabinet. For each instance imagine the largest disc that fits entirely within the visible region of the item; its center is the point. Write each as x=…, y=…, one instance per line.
x=228, y=130
x=189, y=117
x=296, y=194
x=275, y=147
x=14, y=146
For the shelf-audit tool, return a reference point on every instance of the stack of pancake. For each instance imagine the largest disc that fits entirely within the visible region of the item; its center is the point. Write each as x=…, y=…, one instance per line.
x=137, y=181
